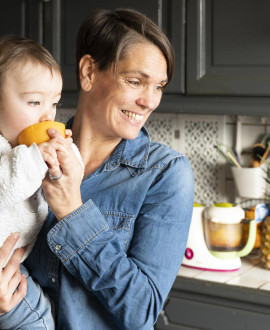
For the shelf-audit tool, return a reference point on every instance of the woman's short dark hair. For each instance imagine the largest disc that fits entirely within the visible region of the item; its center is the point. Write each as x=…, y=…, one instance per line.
x=107, y=34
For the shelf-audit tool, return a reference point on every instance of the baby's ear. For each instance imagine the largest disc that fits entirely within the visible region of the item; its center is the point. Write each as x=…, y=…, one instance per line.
x=86, y=67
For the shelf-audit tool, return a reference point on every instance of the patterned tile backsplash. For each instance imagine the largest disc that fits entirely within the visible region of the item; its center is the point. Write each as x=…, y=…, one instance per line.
x=164, y=128
x=201, y=134
x=196, y=137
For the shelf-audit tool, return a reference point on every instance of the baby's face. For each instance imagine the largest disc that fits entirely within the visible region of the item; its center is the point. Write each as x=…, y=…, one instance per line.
x=30, y=95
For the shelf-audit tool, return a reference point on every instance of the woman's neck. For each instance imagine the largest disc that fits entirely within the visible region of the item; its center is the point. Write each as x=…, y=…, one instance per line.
x=93, y=147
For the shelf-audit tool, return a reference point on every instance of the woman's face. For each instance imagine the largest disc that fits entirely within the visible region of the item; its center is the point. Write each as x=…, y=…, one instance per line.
x=120, y=102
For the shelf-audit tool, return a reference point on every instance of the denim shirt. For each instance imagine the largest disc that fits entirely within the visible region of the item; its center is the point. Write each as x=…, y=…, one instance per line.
x=111, y=263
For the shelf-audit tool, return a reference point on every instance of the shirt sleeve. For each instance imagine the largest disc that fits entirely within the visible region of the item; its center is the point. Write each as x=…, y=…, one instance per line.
x=134, y=285
x=22, y=170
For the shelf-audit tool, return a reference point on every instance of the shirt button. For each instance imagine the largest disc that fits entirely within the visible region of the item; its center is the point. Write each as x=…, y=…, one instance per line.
x=53, y=280
x=58, y=247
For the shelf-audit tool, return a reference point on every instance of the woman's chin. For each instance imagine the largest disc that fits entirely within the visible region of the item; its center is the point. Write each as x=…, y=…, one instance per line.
x=131, y=134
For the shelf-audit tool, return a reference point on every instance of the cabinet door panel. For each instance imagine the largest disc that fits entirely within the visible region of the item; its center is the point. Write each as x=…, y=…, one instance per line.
x=11, y=17
x=22, y=18
x=228, y=47
x=173, y=24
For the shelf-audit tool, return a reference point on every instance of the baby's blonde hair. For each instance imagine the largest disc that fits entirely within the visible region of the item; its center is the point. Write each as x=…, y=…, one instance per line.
x=15, y=50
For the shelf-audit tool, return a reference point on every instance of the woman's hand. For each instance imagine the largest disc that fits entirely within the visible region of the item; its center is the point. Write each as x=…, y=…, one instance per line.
x=63, y=195
x=10, y=276
x=49, y=150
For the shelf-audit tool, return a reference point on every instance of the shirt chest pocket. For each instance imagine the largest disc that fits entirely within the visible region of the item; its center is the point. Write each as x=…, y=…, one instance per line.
x=122, y=224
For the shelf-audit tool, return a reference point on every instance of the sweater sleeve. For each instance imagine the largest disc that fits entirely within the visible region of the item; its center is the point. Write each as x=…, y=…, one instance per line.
x=22, y=170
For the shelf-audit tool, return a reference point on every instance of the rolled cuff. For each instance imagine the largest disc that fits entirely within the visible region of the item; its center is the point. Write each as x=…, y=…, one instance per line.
x=85, y=224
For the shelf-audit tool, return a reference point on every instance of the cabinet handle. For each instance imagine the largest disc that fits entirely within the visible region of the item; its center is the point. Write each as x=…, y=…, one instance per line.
x=164, y=316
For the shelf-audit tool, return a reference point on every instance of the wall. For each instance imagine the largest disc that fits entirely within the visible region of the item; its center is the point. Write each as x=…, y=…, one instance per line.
x=196, y=136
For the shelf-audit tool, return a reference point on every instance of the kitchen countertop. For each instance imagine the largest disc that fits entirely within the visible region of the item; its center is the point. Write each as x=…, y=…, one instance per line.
x=250, y=275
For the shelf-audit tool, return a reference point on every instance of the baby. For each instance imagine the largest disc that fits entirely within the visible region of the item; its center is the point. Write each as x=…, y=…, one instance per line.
x=30, y=89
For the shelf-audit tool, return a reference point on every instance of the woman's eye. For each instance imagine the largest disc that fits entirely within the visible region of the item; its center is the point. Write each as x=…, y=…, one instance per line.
x=134, y=82
x=34, y=103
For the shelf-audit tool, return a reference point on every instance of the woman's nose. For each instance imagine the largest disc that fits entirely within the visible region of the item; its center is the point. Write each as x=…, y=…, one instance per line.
x=148, y=100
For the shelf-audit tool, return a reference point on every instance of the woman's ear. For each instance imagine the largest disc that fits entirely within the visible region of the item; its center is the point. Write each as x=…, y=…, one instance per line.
x=86, y=69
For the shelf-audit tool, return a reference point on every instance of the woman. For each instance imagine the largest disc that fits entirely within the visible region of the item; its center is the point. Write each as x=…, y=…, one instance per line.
x=117, y=239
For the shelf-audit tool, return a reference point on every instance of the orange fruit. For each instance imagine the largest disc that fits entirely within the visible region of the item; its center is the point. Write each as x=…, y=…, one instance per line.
x=38, y=132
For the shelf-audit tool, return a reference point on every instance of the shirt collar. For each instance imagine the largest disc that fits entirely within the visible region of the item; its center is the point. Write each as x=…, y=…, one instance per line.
x=133, y=153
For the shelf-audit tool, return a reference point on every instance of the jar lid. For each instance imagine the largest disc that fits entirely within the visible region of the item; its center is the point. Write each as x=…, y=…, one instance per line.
x=197, y=205
x=229, y=214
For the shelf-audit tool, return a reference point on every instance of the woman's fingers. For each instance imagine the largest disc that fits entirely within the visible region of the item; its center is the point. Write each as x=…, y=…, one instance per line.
x=69, y=140
x=13, y=265
x=13, y=295
x=49, y=157
x=20, y=293
x=50, y=148
x=63, y=194
x=55, y=173
x=10, y=275
x=53, y=133
x=68, y=133
x=14, y=281
x=7, y=247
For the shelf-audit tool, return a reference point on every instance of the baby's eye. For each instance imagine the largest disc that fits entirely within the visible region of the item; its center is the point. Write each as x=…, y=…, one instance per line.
x=34, y=103
x=56, y=105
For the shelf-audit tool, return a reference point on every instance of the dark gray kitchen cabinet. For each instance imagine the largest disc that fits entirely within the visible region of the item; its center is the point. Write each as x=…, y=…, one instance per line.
x=222, y=47
x=196, y=305
x=22, y=18
x=228, y=47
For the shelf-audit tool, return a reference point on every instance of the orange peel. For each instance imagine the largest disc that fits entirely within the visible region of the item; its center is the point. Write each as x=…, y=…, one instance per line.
x=37, y=133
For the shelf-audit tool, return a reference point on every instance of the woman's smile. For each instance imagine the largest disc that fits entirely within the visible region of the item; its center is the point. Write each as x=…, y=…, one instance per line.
x=133, y=116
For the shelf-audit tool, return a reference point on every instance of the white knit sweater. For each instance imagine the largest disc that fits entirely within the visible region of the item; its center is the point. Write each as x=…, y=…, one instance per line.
x=23, y=208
